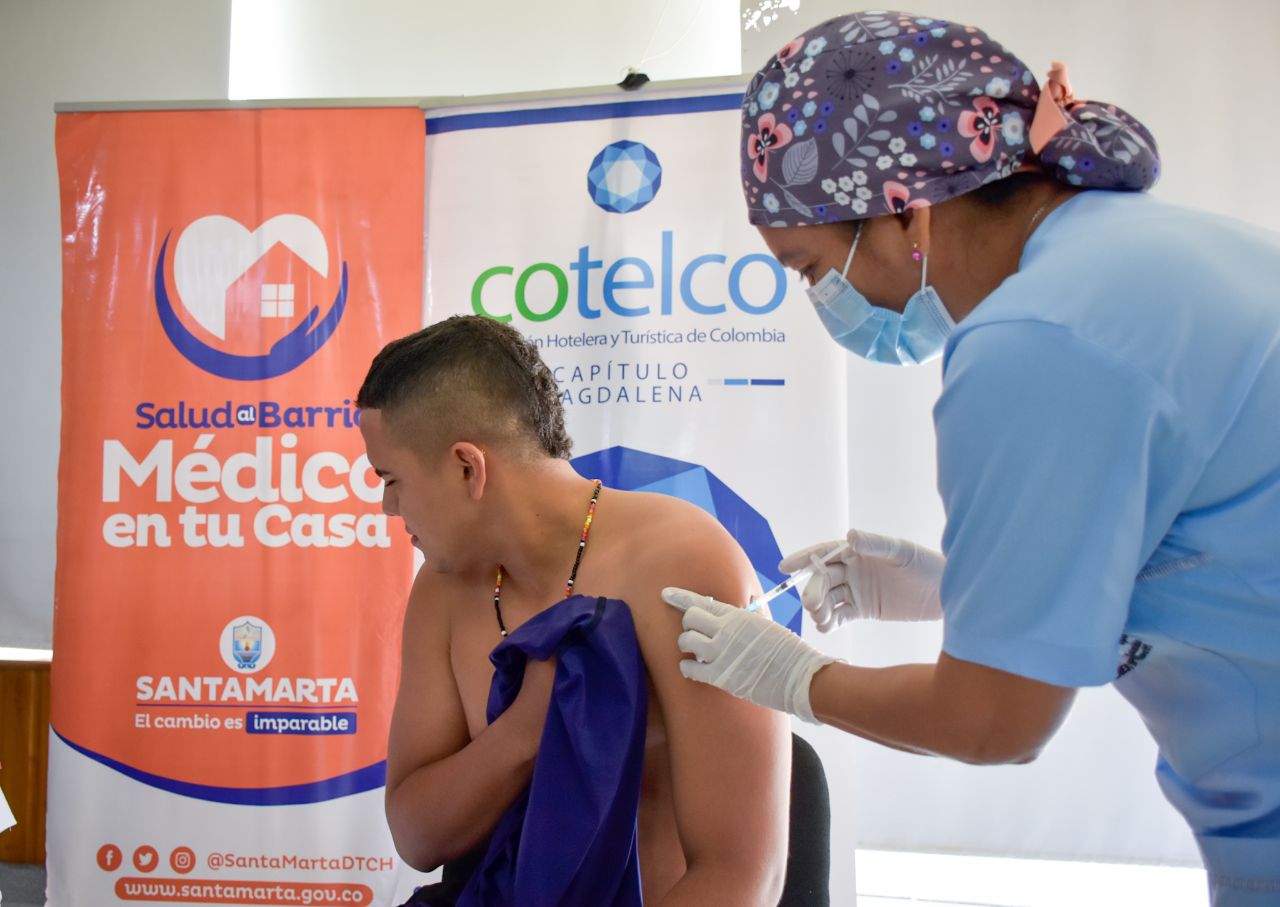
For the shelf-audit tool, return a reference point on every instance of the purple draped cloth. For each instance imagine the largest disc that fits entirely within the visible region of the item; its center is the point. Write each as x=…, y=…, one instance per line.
x=571, y=838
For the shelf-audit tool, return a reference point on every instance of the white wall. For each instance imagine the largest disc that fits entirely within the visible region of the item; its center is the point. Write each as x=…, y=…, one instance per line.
x=408, y=48
x=50, y=51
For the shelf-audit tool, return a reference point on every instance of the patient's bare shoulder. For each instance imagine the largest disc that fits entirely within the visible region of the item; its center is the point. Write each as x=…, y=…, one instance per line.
x=671, y=542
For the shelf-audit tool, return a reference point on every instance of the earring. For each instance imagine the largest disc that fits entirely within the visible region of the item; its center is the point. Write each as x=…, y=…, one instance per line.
x=915, y=251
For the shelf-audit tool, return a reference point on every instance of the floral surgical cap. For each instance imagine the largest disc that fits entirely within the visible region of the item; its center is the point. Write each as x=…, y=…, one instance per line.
x=874, y=113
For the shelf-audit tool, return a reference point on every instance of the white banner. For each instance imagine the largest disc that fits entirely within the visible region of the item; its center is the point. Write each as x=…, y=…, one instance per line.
x=614, y=235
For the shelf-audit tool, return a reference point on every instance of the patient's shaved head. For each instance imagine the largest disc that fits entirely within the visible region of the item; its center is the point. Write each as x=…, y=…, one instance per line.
x=467, y=378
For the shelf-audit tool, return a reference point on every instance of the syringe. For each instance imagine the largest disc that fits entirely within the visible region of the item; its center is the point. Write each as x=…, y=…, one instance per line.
x=794, y=579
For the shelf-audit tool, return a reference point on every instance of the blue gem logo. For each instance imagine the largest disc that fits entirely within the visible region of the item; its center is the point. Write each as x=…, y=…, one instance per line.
x=624, y=177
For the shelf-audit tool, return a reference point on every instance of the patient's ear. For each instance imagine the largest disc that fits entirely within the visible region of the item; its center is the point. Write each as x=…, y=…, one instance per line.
x=469, y=463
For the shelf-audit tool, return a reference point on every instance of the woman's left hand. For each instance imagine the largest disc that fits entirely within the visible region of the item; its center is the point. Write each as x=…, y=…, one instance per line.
x=746, y=654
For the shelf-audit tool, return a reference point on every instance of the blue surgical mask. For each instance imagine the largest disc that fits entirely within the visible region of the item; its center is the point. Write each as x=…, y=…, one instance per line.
x=911, y=337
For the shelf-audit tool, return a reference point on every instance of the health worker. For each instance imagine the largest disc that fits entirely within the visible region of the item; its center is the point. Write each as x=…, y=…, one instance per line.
x=1108, y=432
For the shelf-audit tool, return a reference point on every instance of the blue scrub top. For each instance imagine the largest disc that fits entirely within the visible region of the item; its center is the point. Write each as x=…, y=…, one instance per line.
x=1109, y=459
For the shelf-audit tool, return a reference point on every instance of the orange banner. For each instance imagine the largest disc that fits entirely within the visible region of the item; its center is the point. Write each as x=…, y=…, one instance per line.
x=228, y=592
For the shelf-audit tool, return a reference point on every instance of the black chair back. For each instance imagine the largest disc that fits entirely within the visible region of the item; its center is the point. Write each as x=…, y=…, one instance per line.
x=809, y=841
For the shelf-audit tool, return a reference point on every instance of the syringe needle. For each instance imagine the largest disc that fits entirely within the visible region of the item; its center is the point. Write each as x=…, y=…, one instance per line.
x=790, y=582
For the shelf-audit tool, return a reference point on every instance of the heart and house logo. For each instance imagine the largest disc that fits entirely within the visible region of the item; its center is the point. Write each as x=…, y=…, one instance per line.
x=245, y=308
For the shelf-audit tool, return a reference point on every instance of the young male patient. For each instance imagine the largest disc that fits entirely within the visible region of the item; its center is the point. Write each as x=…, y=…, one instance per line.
x=463, y=421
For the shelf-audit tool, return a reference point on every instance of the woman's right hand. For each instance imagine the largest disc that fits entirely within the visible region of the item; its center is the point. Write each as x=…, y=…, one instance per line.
x=869, y=577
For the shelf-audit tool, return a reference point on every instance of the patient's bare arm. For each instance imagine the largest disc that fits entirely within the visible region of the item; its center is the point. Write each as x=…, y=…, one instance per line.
x=730, y=760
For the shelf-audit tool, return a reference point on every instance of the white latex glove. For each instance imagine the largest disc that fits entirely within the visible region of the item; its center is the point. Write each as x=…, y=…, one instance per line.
x=871, y=577
x=746, y=654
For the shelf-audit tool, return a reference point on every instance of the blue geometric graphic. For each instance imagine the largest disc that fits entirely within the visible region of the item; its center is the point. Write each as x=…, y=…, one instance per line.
x=624, y=177
x=634, y=470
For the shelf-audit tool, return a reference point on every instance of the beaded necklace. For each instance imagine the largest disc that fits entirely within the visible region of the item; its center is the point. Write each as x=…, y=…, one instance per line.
x=568, y=589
